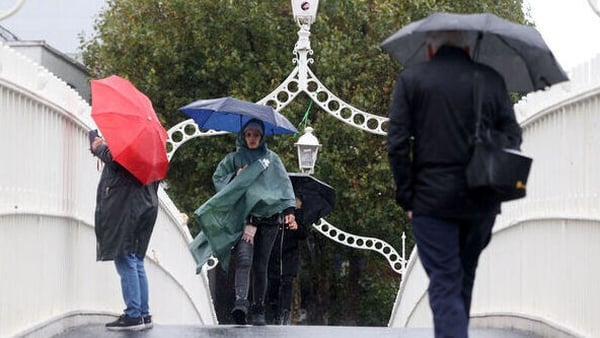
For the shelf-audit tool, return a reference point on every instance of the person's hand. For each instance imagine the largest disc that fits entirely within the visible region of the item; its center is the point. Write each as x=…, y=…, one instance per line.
x=97, y=141
x=409, y=214
x=240, y=170
x=249, y=232
x=290, y=220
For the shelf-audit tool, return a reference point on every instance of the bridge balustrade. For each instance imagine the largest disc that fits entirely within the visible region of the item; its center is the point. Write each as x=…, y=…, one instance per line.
x=49, y=279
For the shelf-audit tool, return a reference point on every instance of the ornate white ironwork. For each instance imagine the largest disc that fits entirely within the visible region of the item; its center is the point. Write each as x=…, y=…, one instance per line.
x=302, y=79
x=183, y=132
x=397, y=262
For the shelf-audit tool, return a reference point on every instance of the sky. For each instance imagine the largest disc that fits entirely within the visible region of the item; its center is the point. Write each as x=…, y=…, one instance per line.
x=570, y=27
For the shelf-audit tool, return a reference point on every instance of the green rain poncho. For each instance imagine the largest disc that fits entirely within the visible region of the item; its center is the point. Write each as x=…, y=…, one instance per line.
x=262, y=189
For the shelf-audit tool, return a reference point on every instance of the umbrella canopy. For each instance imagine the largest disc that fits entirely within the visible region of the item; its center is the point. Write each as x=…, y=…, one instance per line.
x=318, y=198
x=130, y=127
x=230, y=114
x=516, y=51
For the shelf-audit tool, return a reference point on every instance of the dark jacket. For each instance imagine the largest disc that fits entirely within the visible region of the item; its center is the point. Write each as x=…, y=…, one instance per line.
x=431, y=128
x=126, y=210
x=285, y=255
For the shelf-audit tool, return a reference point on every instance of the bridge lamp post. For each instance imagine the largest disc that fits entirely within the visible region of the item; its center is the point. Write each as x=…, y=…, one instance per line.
x=305, y=11
x=308, y=148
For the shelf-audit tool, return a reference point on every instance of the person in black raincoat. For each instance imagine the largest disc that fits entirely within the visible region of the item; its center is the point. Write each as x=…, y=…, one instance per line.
x=284, y=265
x=126, y=211
x=431, y=126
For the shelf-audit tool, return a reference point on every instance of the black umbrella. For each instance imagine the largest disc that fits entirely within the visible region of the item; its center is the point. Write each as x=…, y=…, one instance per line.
x=518, y=52
x=318, y=198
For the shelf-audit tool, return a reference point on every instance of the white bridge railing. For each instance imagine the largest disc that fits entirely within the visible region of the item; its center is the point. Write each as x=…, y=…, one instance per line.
x=49, y=279
x=540, y=272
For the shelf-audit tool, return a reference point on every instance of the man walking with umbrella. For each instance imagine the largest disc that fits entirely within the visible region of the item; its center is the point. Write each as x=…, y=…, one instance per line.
x=432, y=120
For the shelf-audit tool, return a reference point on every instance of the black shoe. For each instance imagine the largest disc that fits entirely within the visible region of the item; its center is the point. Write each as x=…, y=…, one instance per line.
x=148, y=322
x=258, y=315
x=285, y=318
x=126, y=323
x=239, y=311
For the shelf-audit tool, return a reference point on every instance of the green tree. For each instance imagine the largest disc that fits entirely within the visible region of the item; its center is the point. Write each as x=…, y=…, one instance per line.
x=178, y=51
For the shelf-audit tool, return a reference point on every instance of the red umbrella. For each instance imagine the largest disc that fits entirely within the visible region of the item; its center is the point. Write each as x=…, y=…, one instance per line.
x=130, y=127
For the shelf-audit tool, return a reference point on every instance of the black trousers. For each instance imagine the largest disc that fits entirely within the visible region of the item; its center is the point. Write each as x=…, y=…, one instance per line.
x=255, y=258
x=449, y=250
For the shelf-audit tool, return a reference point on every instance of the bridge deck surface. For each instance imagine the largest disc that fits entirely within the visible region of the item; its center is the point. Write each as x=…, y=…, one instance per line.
x=231, y=331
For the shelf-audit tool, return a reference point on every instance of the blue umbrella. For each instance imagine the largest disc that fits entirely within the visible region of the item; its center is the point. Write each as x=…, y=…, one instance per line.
x=230, y=114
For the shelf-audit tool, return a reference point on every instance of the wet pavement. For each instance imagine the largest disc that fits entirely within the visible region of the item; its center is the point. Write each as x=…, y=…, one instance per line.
x=231, y=331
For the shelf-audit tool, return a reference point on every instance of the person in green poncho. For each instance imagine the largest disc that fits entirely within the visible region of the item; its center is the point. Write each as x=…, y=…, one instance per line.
x=254, y=197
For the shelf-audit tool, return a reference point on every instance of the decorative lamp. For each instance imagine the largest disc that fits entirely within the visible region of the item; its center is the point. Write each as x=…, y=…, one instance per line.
x=305, y=11
x=308, y=147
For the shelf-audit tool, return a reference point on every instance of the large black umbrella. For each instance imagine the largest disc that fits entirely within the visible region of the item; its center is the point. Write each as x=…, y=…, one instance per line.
x=318, y=198
x=516, y=51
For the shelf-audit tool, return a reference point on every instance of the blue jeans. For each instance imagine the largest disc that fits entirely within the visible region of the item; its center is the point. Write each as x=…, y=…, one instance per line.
x=134, y=284
x=449, y=250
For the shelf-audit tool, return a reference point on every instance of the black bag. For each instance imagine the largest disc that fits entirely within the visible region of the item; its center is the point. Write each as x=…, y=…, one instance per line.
x=494, y=173
x=497, y=174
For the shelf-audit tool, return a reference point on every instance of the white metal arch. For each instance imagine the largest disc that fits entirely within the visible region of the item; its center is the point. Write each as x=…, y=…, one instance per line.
x=8, y=12
x=302, y=79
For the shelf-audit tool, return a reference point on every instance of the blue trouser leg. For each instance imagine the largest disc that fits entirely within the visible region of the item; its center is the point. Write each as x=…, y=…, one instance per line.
x=127, y=267
x=143, y=281
x=449, y=251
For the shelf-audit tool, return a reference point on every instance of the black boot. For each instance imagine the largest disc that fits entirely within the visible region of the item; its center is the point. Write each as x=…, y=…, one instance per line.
x=240, y=309
x=258, y=315
x=272, y=314
x=285, y=317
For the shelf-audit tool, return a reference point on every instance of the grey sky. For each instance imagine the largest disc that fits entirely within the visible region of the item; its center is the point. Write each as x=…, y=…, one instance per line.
x=563, y=24
x=58, y=22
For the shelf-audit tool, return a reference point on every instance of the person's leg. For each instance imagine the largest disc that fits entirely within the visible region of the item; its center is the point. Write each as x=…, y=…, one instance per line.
x=263, y=244
x=286, y=295
x=143, y=282
x=287, y=288
x=144, y=296
x=244, y=256
x=475, y=236
x=244, y=253
x=130, y=287
x=272, y=310
x=438, y=248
